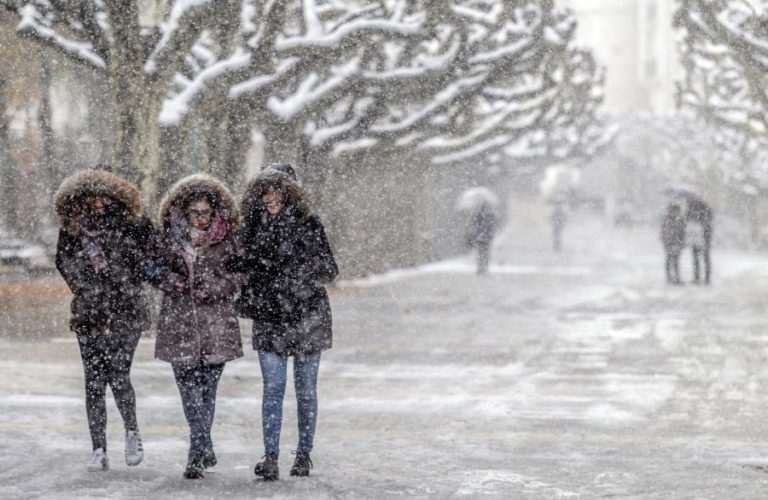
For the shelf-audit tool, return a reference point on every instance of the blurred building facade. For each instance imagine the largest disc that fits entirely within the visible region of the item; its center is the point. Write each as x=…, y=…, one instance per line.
x=635, y=41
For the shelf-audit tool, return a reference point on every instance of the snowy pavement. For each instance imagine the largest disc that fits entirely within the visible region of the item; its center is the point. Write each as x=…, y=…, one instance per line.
x=578, y=375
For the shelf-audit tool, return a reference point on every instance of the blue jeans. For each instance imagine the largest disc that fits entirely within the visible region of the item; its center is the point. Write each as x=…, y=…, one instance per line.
x=274, y=371
x=197, y=386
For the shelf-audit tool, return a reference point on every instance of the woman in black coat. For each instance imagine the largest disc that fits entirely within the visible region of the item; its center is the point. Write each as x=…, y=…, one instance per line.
x=102, y=248
x=287, y=262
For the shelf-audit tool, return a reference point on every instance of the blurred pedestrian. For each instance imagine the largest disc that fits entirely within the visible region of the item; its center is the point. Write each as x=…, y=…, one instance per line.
x=559, y=217
x=673, y=239
x=102, y=248
x=287, y=262
x=482, y=228
x=700, y=213
x=694, y=237
x=198, y=331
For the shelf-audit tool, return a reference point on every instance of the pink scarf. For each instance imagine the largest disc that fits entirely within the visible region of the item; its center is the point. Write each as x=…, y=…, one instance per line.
x=216, y=232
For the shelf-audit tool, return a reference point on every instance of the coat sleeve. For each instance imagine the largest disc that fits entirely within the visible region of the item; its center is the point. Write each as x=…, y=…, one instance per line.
x=73, y=272
x=217, y=283
x=320, y=265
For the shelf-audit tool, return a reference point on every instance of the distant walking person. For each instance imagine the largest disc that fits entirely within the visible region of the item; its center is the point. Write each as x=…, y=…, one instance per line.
x=559, y=217
x=198, y=331
x=482, y=228
x=694, y=237
x=287, y=262
x=673, y=239
x=101, y=251
x=698, y=212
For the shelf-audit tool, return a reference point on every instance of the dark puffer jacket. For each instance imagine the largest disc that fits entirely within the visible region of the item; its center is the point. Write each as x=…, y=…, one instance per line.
x=115, y=241
x=197, y=324
x=482, y=225
x=287, y=262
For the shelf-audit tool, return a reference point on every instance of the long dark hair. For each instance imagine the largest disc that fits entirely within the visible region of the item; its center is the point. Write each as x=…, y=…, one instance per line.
x=295, y=200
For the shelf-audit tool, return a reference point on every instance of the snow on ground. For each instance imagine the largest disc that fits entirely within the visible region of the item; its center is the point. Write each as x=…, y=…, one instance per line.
x=578, y=375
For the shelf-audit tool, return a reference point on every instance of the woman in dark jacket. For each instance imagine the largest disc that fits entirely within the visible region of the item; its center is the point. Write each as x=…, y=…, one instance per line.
x=198, y=330
x=482, y=227
x=287, y=262
x=101, y=251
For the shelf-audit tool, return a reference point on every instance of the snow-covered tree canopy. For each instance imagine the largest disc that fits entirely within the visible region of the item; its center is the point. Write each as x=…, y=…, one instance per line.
x=453, y=79
x=725, y=55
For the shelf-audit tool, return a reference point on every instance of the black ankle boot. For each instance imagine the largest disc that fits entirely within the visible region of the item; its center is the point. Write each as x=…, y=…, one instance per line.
x=209, y=458
x=301, y=465
x=268, y=468
x=195, y=468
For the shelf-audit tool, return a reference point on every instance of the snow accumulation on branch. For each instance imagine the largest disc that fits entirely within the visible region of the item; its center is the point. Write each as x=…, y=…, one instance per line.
x=31, y=26
x=313, y=28
x=473, y=151
x=491, y=17
x=176, y=108
x=310, y=90
x=443, y=98
x=247, y=17
x=336, y=37
x=752, y=44
x=507, y=51
x=436, y=64
x=258, y=83
x=324, y=135
x=170, y=29
x=527, y=114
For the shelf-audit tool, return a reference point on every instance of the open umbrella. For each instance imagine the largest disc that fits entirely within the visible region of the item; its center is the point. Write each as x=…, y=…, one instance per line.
x=695, y=207
x=475, y=197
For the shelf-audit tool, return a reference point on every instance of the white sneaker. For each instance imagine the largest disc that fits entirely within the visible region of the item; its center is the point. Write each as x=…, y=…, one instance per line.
x=134, y=450
x=98, y=461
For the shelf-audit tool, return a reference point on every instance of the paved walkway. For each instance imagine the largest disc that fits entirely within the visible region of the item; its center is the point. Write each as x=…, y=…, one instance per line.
x=578, y=375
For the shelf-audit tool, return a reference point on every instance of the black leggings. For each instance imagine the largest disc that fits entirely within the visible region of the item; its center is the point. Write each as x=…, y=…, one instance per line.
x=107, y=359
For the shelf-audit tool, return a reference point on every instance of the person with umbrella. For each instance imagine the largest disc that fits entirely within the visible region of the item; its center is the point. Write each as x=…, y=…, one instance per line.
x=698, y=214
x=481, y=203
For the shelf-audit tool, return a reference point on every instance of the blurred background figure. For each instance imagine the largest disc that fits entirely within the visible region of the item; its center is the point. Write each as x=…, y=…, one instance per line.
x=673, y=239
x=698, y=222
x=559, y=217
x=558, y=187
x=482, y=205
x=699, y=214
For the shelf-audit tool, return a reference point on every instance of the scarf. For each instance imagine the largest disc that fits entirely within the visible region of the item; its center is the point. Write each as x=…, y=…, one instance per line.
x=192, y=239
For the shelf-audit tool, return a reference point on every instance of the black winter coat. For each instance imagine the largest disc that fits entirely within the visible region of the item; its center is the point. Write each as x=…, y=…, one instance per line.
x=287, y=261
x=113, y=298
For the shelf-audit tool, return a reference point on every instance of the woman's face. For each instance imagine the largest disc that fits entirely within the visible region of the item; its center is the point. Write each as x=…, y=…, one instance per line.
x=274, y=201
x=199, y=214
x=97, y=203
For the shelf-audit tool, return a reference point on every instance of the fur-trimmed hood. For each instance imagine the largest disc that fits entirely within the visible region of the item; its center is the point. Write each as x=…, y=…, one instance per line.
x=69, y=198
x=198, y=183
x=295, y=199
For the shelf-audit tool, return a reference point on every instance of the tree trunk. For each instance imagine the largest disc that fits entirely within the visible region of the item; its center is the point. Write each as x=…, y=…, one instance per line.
x=172, y=157
x=49, y=168
x=136, y=103
x=234, y=141
x=7, y=174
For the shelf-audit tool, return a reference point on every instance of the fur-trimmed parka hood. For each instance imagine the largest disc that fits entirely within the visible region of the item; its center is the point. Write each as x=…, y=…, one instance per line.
x=69, y=199
x=199, y=183
x=295, y=199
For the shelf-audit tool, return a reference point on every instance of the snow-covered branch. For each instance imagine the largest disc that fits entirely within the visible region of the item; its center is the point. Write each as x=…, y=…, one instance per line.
x=35, y=26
